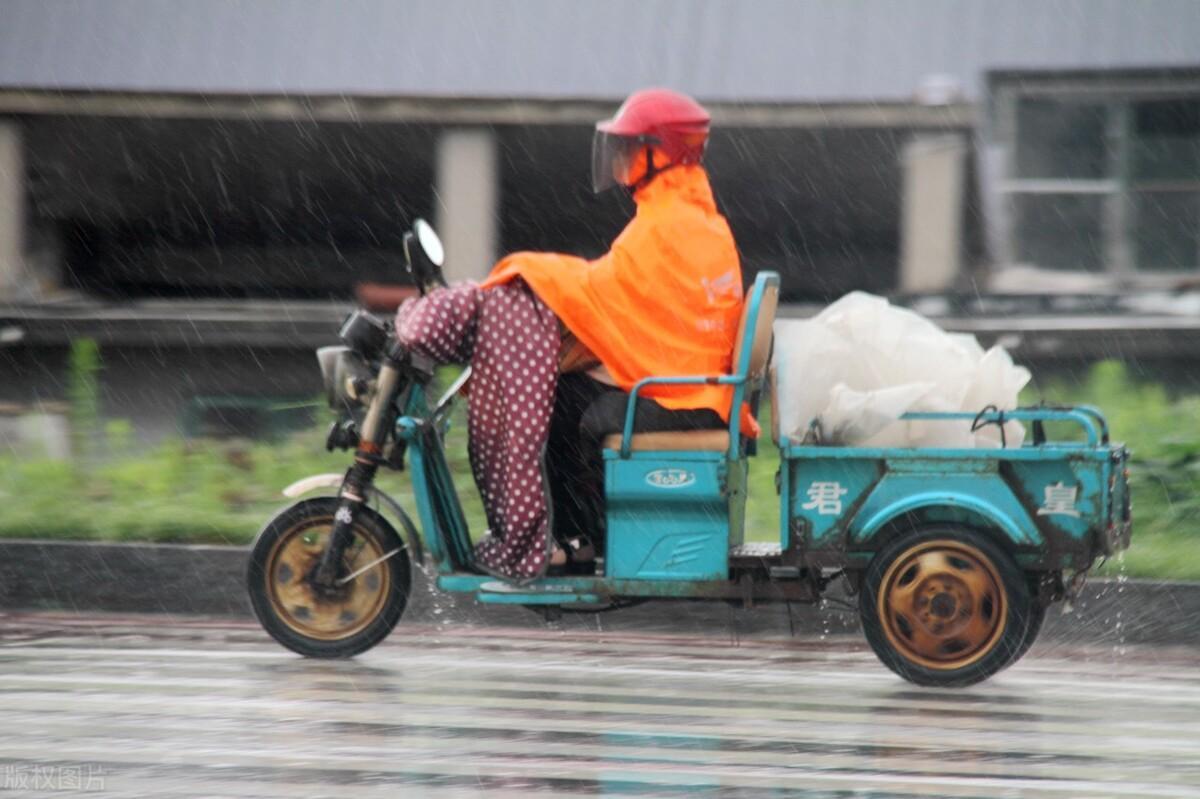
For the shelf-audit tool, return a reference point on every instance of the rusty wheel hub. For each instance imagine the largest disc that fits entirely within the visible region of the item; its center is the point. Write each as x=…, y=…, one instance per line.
x=942, y=604
x=319, y=611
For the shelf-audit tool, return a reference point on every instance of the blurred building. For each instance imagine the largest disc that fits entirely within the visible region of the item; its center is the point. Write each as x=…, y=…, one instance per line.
x=202, y=187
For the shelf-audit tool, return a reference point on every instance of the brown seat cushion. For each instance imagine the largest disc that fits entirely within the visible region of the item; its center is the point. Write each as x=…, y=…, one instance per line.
x=705, y=440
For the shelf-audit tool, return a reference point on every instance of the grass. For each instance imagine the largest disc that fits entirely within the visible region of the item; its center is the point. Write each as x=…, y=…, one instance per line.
x=222, y=492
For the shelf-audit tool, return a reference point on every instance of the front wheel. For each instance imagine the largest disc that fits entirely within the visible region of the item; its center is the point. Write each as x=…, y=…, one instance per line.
x=946, y=607
x=318, y=621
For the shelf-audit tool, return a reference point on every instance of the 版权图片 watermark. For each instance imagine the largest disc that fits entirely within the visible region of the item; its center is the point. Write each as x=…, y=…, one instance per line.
x=43, y=777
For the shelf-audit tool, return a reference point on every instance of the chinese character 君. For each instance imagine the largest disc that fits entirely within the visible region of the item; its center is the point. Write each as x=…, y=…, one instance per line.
x=825, y=498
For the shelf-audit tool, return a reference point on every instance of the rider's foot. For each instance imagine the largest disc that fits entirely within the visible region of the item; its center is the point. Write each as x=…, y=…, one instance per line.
x=574, y=556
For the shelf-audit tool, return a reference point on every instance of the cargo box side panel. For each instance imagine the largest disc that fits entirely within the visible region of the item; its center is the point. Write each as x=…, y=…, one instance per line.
x=1068, y=499
x=826, y=493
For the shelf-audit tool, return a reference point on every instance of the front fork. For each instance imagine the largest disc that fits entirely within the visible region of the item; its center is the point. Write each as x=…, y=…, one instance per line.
x=367, y=457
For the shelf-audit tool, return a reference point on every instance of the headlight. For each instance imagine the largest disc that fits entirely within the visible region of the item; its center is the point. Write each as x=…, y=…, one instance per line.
x=345, y=376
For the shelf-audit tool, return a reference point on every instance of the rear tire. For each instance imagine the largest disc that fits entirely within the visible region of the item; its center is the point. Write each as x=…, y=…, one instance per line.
x=1033, y=626
x=946, y=607
x=320, y=623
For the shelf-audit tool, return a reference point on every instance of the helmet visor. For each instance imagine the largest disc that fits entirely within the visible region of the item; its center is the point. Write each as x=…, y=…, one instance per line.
x=613, y=159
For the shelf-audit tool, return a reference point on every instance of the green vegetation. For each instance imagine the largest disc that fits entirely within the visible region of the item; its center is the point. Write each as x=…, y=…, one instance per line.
x=223, y=491
x=199, y=491
x=83, y=391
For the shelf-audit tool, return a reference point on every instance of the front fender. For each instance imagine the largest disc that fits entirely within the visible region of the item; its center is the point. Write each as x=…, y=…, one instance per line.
x=312, y=483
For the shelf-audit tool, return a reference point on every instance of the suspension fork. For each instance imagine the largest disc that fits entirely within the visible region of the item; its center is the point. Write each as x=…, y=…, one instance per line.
x=367, y=457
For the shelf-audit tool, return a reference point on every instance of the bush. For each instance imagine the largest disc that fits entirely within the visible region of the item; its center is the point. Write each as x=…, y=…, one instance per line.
x=186, y=491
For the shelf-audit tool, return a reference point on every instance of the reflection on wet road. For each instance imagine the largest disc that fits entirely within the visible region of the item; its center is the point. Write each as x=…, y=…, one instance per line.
x=126, y=706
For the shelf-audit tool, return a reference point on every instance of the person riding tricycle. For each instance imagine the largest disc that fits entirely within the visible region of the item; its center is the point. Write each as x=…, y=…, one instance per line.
x=610, y=422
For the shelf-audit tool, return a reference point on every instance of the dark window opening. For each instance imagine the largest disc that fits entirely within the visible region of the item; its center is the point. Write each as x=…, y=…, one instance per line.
x=213, y=208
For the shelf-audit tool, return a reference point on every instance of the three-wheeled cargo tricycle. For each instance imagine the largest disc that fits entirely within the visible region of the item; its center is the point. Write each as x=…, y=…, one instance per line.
x=954, y=554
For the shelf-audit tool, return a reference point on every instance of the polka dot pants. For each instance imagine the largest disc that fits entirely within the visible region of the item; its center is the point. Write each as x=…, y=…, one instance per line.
x=511, y=340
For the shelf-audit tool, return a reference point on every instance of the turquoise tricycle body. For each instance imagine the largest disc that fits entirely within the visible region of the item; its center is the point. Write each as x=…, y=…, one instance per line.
x=953, y=554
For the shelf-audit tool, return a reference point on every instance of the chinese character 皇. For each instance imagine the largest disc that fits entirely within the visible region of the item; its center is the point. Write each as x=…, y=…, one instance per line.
x=1060, y=499
x=826, y=498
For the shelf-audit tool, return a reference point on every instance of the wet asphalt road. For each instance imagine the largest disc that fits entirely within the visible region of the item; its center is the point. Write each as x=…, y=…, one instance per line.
x=159, y=707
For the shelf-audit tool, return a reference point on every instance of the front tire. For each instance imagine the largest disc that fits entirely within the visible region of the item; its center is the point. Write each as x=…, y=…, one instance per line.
x=323, y=623
x=946, y=607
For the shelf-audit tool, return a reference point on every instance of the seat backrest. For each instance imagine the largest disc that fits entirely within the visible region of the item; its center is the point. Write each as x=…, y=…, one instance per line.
x=751, y=351
x=754, y=362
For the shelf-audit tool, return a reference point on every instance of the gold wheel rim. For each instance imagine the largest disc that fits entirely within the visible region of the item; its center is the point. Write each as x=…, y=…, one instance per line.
x=942, y=604
x=298, y=604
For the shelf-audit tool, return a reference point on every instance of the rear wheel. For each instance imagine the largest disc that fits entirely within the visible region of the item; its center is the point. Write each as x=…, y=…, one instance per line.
x=323, y=622
x=946, y=607
x=1033, y=626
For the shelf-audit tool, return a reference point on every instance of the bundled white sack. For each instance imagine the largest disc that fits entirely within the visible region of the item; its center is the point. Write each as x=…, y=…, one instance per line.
x=860, y=364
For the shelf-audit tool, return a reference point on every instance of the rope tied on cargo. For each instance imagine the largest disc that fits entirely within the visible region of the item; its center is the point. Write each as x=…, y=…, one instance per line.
x=980, y=421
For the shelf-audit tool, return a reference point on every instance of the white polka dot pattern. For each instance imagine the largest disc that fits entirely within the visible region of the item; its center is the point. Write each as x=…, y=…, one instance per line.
x=511, y=340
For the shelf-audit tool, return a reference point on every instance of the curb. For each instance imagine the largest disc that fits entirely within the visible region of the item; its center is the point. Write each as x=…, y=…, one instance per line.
x=209, y=581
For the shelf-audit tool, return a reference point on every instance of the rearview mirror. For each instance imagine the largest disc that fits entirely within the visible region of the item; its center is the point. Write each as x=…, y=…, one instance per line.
x=425, y=255
x=430, y=242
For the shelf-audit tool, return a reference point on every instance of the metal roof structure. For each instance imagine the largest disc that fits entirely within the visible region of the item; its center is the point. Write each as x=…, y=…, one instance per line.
x=765, y=51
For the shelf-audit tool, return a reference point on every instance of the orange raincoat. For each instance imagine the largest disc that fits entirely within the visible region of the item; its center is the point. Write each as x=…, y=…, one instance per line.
x=665, y=300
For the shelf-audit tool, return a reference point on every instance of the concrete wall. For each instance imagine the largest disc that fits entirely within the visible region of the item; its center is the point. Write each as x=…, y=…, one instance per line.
x=935, y=168
x=467, y=192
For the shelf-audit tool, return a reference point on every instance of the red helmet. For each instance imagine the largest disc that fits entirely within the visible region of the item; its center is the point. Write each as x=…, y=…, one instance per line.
x=665, y=127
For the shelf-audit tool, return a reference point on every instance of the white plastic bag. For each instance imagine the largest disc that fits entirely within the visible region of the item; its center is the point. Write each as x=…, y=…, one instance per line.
x=860, y=364
x=860, y=415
